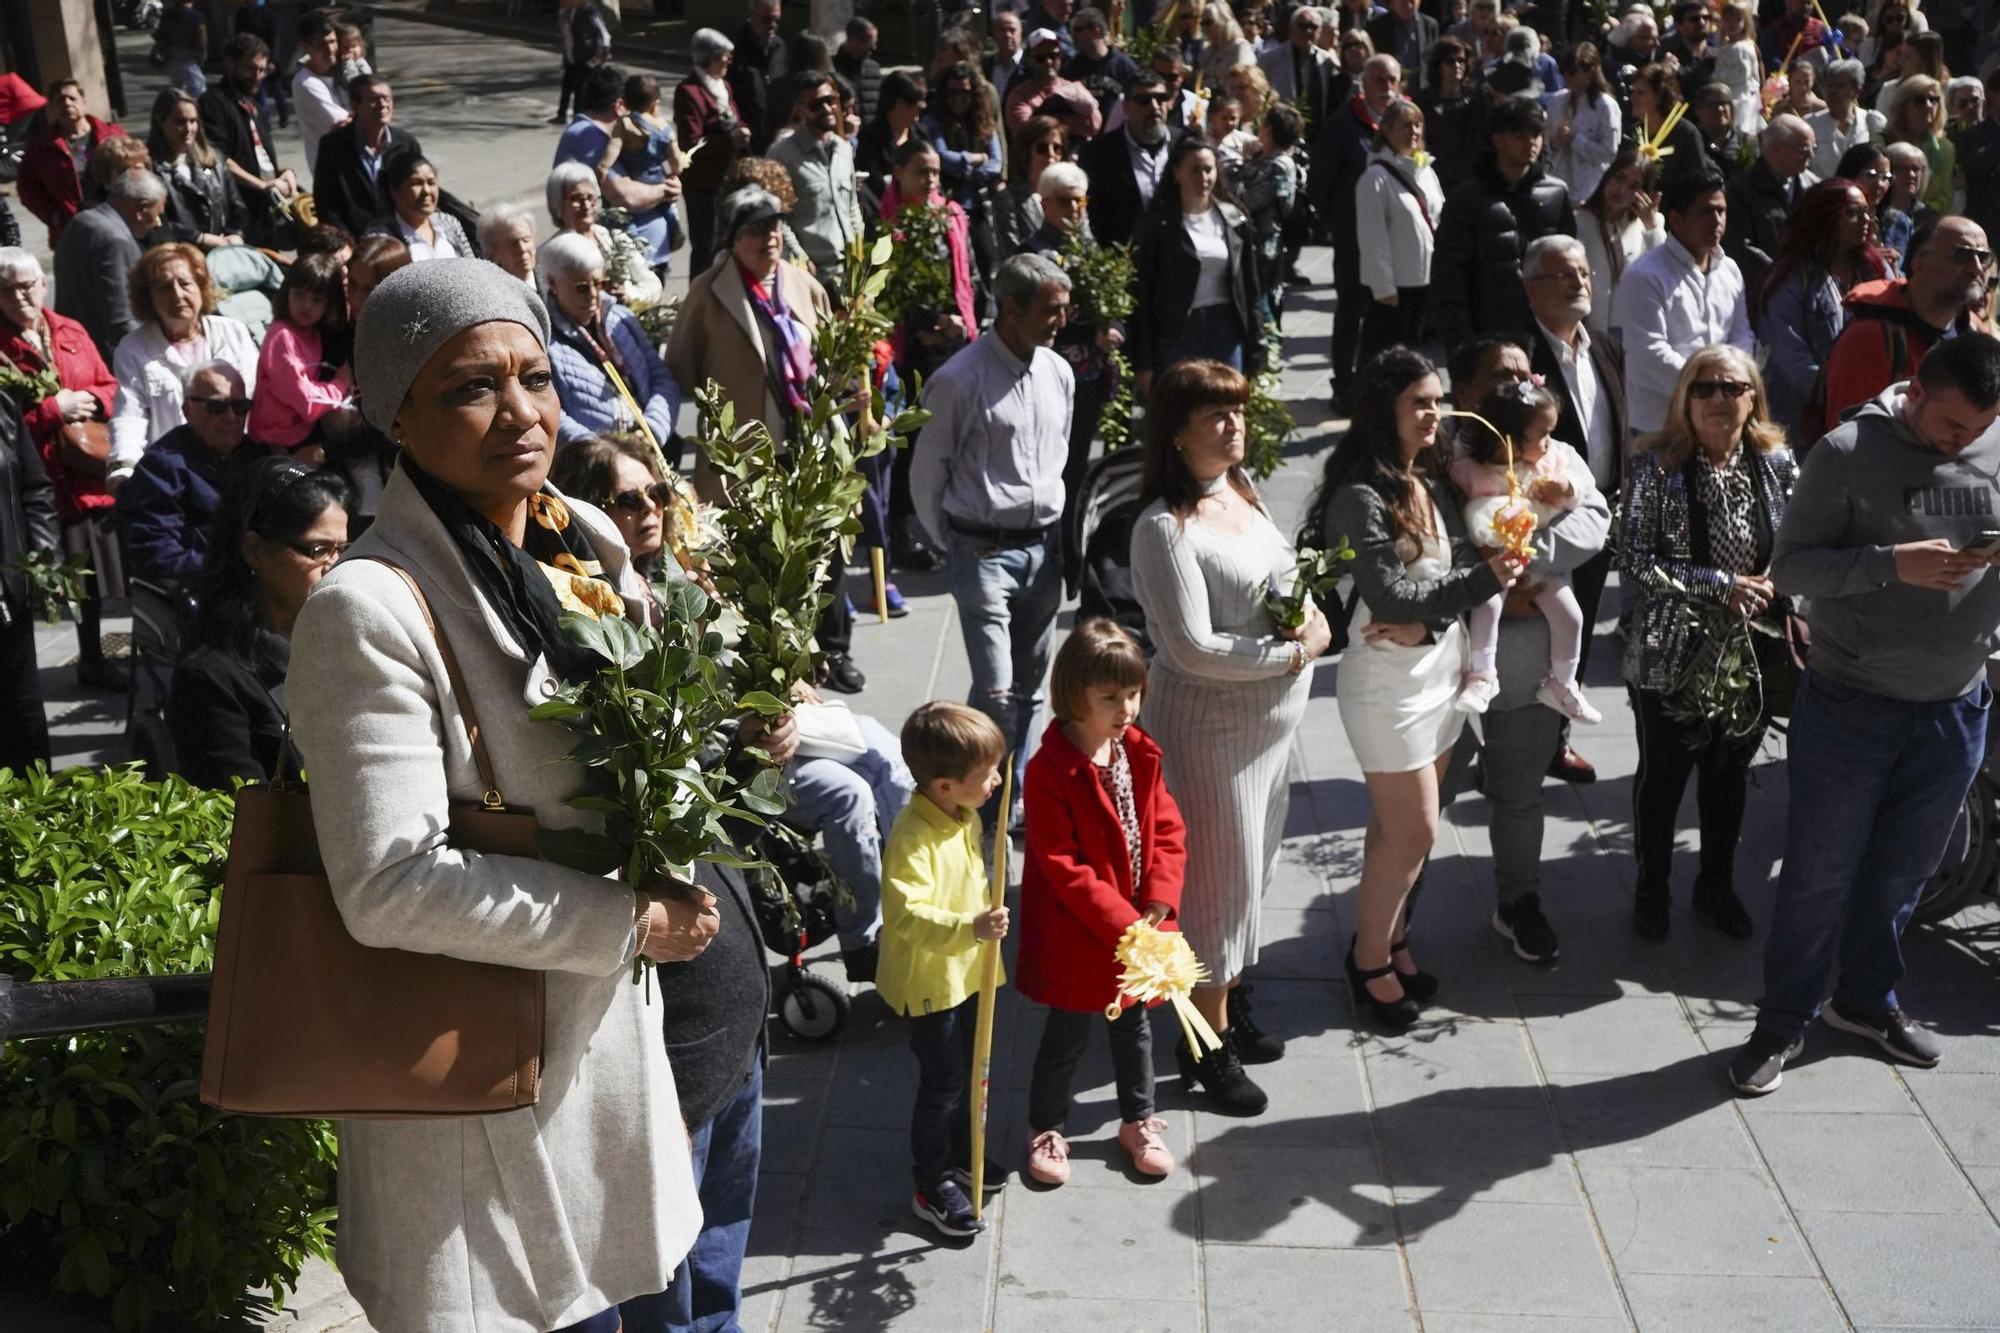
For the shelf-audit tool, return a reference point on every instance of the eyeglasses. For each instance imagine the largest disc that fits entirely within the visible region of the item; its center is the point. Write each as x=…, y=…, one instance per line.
x=1703, y=390
x=590, y=286
x=1968, y=254
x=20, y=288
x=215, y=407
x=1572, y=276
x=1875, y=174
x=319, y=553
x=1049, y=55
x=635, y=501
x=1157, y=99
x=819, y=102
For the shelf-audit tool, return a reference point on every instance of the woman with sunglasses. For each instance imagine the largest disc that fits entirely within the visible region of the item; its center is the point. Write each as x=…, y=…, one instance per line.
x=37, y=340
x=279, y=527
x=1452, y=115
x=167, y=511
x=1916, y=117
x=1703, y=501
x=1829, y=249
x=1017, y=210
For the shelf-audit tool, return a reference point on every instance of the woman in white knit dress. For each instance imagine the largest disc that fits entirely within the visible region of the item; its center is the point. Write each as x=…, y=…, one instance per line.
x=1387, y=493
x=1226, y=692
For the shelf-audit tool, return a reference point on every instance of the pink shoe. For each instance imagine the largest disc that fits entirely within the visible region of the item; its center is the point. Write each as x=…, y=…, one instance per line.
x=1048, y=1158
x=1142, y=1140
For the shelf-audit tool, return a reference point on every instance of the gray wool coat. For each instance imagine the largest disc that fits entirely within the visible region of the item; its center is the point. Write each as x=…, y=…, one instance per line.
x=535, y=1219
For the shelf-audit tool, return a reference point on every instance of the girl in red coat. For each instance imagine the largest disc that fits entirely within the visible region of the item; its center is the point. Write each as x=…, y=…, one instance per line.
x=1106, y=847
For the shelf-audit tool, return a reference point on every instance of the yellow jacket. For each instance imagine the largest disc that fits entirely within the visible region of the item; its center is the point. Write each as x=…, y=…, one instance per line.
x=933, y=884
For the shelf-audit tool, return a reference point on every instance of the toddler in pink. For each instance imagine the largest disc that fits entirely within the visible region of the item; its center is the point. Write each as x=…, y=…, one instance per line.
x=1553, y=478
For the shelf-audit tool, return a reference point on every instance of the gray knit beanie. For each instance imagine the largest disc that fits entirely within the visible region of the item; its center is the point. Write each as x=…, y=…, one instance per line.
x=420, y=307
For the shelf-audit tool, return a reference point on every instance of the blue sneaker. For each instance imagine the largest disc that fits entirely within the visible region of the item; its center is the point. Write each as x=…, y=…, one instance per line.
x=943, y=1204
x=898, y=608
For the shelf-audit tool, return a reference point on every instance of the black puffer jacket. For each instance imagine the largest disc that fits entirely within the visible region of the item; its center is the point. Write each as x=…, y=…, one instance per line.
x=1476, y=267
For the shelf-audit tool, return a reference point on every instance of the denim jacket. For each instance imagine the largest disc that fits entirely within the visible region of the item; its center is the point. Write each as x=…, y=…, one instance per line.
x=1658, y=561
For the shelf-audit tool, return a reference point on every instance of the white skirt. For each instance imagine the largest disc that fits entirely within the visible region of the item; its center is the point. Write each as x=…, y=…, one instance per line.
x=1396, y=702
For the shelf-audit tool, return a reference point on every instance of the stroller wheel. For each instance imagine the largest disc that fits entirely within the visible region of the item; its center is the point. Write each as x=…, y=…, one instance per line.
x=812, y=1008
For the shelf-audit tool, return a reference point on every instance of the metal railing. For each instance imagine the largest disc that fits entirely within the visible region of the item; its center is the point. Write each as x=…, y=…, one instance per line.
x=63, y=1008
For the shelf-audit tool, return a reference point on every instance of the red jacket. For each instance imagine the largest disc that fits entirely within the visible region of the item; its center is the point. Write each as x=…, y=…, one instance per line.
x=1077, y=895
x=49, y=186
x=78, y=366
x=1883, y=343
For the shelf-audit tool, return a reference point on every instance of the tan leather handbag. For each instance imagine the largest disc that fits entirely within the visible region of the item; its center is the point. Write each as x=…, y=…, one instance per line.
x=305, y=1022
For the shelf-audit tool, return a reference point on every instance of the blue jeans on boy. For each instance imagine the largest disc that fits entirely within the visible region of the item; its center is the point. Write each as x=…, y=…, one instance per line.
x=940, y=1124
x=853, y=805
x=705, y=1294
x=1876, y=784
x=1007, y=599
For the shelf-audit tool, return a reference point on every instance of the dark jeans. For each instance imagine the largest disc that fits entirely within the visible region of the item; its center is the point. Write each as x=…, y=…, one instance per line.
x=572, y=84
x=701, y=234
x=24, y=727
x=1876, y=786
x=1212, y=333
x=704, y=1296
x=835, y=630
x=1352, y=301
x=1667, y=757
x=940, y=1124
x=1063, y=1040
x=1388, y=325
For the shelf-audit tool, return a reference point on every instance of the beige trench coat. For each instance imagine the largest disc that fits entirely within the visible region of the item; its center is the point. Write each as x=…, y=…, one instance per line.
x=531, y=1220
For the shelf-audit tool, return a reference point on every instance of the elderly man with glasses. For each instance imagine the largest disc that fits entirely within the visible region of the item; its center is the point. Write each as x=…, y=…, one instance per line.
x=1892, y=324
x=167, y=510
x=1300, y=72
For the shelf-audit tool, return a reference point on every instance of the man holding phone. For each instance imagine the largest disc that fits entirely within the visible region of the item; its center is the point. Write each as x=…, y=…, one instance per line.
x=1888, y=539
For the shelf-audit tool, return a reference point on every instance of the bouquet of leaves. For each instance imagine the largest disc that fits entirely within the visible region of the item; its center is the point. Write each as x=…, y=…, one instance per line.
x=625, y=268
x=643, y=725
x=793, y=504
x=29, y=387
x=658, y=319
x=918, y=266
x=1102, y=277
x=1144, y=43
x=56, y=587
x=1267, y=422
x=1314, y=578
x=1721, y=691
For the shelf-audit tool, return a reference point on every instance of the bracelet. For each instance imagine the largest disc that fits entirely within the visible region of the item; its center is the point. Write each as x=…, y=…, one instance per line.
x=1298, y=657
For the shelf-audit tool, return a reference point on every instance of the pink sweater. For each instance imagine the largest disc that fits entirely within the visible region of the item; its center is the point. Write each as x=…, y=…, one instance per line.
x=290, y=395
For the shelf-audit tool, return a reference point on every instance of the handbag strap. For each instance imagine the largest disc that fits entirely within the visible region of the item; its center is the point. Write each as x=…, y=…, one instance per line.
x=489, y=786
x=1423, y=205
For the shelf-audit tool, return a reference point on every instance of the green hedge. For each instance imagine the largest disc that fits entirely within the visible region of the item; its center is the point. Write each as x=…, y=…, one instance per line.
x=171, y=1212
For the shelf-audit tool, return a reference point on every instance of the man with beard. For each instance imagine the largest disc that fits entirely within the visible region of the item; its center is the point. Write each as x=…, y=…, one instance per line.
x=1045, y=92
x=1125, y=165
x=239, y=128
x=828, y=214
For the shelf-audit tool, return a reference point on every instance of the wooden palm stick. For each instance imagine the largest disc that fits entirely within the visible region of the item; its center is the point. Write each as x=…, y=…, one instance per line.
x=880, y=568
x=989, y=989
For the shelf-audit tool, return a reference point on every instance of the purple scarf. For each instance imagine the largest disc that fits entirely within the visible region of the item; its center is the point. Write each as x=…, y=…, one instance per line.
x=795, y=363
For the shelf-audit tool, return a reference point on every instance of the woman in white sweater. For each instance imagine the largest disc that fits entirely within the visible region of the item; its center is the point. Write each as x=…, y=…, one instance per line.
x=1618, y=222
x=175, y=301
x=1396, y=206
x=1584, y=124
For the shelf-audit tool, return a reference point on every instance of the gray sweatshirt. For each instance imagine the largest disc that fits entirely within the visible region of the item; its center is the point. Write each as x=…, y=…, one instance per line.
x=1869, y=486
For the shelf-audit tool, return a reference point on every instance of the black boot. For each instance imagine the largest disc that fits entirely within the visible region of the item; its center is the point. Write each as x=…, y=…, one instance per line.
x=1220, y=1074
x=1715, y=898
x=1395, y=1015
x=1419, y=985
x=1253, y=1045
x=1650, y=913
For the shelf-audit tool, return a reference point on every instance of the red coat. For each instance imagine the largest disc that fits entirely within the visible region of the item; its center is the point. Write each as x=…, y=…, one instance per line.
x=1077, y=895
x=78, y=366
x=49, y=186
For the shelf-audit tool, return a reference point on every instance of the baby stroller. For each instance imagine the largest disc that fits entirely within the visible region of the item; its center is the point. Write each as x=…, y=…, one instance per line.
x=794, y=900
x=1097, y=542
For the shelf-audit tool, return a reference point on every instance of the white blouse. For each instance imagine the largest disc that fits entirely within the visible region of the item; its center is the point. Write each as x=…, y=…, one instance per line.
x=151, y=375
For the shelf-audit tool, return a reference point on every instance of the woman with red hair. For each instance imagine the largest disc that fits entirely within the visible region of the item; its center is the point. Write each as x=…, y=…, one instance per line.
x=1830, y=246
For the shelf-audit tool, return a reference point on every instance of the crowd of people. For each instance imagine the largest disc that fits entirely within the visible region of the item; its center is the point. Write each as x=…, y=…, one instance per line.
x=1722, y=288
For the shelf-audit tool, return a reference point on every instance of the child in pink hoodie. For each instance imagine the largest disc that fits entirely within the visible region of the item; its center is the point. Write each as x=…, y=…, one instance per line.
x=296, y=390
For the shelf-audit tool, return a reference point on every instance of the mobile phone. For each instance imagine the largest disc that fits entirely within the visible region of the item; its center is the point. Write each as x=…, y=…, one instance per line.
x=1986, y=543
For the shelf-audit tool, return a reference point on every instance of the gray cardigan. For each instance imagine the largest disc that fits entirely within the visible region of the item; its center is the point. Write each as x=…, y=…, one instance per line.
x=539, y=1218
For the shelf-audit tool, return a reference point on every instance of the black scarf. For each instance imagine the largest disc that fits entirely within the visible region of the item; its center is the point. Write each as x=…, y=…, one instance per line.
x=509, y=574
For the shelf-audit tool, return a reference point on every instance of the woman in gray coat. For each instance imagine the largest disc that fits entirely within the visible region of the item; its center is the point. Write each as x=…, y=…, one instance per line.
x=544, y=1218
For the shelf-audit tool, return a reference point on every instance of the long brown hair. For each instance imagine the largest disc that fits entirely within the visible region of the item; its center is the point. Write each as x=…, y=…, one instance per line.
x=973, y=130
x=1178, y=393
x=1371, y=453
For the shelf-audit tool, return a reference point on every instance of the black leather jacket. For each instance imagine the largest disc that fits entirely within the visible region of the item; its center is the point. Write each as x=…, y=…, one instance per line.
x=27, y=510
x=1166, y=272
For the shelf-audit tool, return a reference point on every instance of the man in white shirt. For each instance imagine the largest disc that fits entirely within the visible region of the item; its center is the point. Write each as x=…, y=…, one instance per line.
x=316, y=92
x=986, y=479
x=1679, y=298
x=1586, y=377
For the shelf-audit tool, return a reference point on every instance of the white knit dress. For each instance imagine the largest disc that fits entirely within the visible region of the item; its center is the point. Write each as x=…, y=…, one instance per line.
x=1224, y=705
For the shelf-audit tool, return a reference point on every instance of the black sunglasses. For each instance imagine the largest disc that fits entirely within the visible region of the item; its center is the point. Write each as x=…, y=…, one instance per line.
x=320, y=553
x=1971, y=254
x=1703, y=390
x=215, y=407
x=634, y=501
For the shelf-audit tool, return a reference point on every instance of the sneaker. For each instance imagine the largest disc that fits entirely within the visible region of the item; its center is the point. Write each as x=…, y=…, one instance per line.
x=861, y=963
x=995, y=1181
x=1759, y=1067
x=841, y=674
x=892, y=597
x=1048, y=1157
x=1144, y=1142
x=1522, y=922
x=1890, y=1029
x=1567, y=699
x=944, y=1205
x=1476, y=692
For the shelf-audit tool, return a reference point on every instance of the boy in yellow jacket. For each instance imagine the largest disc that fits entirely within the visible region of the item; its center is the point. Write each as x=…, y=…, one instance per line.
x=934, y=922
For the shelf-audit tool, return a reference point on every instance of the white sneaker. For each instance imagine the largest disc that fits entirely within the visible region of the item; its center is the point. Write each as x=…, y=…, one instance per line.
x=1478, y=689
x=1567, y=700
